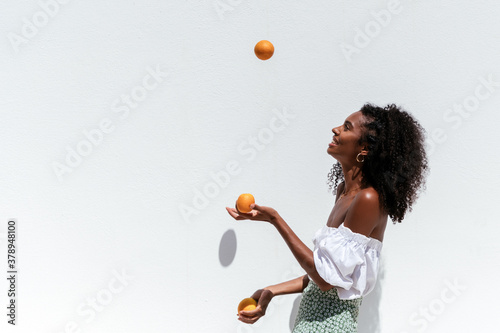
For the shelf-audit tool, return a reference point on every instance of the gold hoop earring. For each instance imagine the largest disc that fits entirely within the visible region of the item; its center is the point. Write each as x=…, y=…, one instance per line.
x=357, y=158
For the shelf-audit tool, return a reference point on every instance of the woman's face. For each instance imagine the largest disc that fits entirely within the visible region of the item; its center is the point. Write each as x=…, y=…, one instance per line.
x=345, y=144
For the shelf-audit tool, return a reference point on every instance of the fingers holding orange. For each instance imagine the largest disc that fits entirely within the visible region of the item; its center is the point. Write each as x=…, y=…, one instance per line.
x=248, y=311
x=249, y=320
x=237, y=215
x=247, y=304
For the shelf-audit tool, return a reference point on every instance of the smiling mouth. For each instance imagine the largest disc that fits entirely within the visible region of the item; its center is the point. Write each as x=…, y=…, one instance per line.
x=334, y=143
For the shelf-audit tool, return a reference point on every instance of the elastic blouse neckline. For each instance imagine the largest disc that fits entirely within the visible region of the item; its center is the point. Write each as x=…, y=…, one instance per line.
x=351, y=235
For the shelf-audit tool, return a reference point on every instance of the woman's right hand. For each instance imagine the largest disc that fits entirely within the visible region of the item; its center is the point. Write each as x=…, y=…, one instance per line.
x=263, y=298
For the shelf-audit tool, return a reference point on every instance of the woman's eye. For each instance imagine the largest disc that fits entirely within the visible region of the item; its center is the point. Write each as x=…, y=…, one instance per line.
x=346, y=128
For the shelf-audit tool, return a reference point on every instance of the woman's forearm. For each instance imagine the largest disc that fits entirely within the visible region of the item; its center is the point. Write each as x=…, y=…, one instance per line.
x=301, y=252
x=289, y=287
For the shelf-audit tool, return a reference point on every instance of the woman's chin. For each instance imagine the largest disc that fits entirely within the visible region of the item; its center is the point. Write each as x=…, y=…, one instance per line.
x=330, y=151
x=333, y=154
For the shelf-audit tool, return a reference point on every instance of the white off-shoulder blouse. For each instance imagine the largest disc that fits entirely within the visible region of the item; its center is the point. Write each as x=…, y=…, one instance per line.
x=347, y=260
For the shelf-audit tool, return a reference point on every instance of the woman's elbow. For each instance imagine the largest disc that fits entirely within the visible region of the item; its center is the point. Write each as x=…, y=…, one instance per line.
x=322, y=284
x=325, y=286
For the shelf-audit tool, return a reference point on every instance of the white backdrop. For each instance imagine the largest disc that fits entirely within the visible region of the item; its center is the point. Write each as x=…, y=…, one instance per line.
x=128, y=126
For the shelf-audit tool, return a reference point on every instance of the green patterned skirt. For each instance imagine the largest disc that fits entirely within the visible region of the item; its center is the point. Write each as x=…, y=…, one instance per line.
x=324, y=311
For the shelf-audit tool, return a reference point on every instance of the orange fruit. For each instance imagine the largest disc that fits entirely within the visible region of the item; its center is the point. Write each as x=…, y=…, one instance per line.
x=264, y=50
x=244, y=201
x=247, y=304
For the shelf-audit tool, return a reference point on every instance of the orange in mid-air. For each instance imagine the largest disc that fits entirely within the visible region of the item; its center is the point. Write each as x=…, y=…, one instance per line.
x=264, y=49
x=247, y=304
x=244, y=201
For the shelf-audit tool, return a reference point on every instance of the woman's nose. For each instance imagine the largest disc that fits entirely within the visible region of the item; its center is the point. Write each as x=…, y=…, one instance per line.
x=335, y=130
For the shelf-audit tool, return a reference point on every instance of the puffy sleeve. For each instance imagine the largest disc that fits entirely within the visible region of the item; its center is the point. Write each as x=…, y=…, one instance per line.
x=347, y=260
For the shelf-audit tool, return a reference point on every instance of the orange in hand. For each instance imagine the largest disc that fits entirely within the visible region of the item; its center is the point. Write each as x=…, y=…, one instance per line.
x=247, y=304
x=244, y=201
x=264, y=50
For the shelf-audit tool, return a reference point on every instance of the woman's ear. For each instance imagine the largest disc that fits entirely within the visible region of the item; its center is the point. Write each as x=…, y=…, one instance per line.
x=364, y=149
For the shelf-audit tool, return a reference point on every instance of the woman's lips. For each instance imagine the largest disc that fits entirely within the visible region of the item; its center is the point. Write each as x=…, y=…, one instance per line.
x=333, y=143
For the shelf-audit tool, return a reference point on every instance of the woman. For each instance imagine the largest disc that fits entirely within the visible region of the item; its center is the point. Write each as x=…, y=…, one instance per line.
x=381, y=166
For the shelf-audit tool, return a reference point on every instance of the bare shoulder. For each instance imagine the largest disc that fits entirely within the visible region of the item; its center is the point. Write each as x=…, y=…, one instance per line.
x=364, y=214
x=368, y=196
x=367, y=202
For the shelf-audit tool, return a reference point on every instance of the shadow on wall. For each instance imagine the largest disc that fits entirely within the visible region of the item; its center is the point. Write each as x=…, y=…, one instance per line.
x=227, y=248
x=295, y=310
x=369, y=314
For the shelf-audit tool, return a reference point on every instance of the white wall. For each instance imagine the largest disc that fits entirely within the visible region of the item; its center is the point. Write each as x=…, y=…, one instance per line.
x=117, y=210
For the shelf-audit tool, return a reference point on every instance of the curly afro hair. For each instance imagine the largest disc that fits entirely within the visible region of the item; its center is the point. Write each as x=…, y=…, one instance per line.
x=396, y=164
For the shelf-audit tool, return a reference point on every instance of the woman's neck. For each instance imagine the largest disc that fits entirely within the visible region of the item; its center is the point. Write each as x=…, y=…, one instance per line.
x=353, y=178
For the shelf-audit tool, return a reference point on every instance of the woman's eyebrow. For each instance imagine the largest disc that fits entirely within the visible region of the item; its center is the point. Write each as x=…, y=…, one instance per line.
x=348, y=123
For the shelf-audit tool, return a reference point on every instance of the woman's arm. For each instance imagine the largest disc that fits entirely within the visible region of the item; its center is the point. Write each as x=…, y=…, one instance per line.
x=302, y=253
x=264, y=297
x=289, y=287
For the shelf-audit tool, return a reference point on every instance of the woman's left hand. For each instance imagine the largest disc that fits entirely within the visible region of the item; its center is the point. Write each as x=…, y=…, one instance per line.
x=258, y=213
